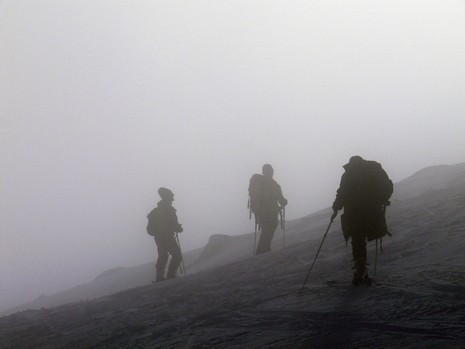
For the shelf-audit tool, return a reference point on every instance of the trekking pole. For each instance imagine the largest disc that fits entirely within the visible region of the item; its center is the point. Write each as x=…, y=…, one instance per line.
x=250, y=209
x=381, y=241
x=183, y=268
x=283, y=224
x=257, y=226
x=255, y=239
x=324, y=237
x=255, y=234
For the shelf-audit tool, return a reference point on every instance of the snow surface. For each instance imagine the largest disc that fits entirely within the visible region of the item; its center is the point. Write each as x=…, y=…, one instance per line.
x=231, y=299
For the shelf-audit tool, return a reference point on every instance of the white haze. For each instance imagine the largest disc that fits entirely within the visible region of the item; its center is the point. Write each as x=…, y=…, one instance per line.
x=103, y=102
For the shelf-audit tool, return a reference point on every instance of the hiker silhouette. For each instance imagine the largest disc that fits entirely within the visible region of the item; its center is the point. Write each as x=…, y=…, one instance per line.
x=363, y=193
x=163, y=226
x=265, y=198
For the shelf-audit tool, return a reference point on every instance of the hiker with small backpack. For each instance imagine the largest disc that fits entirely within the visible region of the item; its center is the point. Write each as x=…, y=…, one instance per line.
x=266, y=201
x=163, y=226
x=363, y=193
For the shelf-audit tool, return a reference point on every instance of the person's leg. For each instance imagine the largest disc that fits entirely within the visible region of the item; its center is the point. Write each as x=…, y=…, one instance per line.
x=359, y=253
x=269, y=222
x=176, y=257
x=162, y=258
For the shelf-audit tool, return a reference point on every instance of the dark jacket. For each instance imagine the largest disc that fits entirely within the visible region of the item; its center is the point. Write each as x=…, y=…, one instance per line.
x=265, y=194
x=162, y=220
x=363, y=191
x=363, y=187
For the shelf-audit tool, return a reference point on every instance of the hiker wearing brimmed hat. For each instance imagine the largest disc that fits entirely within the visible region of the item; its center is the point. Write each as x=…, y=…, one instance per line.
x=363, y=194
x=163, y=226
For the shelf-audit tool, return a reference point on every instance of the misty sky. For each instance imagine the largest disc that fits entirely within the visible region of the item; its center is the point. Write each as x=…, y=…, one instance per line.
x=103, y=102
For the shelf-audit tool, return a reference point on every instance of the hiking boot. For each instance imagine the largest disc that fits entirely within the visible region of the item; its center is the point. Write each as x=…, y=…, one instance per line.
x=361, y=279
x=160, y=278
x=360, y=274
x=169, y=277
x=357, y=279
x=367, y=280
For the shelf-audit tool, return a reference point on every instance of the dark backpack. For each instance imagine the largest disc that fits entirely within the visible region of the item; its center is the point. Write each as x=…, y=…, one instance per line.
x=255, y=192
x=380, y=188
x=373, y=188
x=377, y=187
x=152, y=225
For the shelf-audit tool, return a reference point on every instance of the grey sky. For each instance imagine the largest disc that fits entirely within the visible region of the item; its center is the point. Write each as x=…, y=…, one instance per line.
x=103, y=102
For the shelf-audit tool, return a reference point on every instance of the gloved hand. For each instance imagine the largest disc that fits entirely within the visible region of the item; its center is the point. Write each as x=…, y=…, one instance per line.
x=333, y=215
x=179, y=230
x=284, y=203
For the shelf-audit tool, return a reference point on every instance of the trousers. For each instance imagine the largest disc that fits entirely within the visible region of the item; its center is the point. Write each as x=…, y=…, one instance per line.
x=167, y=245
x=268, y=223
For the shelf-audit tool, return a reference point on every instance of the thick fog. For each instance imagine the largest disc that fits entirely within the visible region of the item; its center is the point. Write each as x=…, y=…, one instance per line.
x=104, y=102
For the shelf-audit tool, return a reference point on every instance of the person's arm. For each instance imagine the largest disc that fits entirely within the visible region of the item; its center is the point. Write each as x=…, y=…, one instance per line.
x=338, y=203
x=281, y=199
x=177, y=228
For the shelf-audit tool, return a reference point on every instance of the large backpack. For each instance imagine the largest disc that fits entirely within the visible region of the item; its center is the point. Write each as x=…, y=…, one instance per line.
x=377, y=183
x=380, y=188
x=373, y=188
x=152, y=224
x=255, y=192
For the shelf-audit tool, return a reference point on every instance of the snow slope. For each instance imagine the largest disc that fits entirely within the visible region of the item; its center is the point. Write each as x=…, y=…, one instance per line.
x=251, y=302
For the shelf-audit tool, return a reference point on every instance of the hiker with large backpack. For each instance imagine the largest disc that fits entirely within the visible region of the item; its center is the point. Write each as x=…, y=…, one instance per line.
x=163, y=226
x=266, y=201
x=363, y=193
